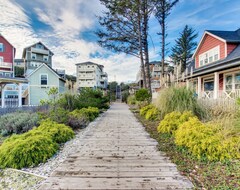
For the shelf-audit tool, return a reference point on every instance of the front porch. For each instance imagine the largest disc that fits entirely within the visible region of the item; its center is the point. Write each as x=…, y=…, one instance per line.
x=12, y=96
x=218, y=85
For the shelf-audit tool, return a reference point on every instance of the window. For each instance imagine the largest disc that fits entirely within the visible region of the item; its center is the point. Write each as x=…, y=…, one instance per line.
x=7, y=74
x=39, y=46
x=45, y=58
x=1, y=47
x=209, y=56
x=34, y=56
x=237, y=81
x=1, y=59
x=44, y=79
x=208, y=84
x=228, y=84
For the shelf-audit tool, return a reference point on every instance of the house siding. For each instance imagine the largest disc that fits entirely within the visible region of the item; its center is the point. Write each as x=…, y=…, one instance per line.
x=208, y=43
x=230, y=48
x=8, y=53
x=37, y=91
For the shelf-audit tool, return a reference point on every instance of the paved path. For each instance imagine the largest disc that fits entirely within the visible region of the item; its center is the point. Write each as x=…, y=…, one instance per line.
x=117, y=154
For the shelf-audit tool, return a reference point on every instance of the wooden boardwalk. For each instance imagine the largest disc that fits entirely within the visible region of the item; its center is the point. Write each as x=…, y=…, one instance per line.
x=117, y=154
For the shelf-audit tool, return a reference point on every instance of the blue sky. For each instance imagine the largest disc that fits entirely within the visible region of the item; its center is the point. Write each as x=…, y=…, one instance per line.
x=67, y=28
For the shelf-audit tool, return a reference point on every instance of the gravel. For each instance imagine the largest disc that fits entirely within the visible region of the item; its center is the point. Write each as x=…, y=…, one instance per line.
x=31, y=178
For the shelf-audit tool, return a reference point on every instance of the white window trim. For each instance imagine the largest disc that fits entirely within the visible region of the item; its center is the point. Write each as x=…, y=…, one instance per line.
x=40, y=79
x=32, y=56
x=211, y=52
x=2, y=46
x=2, y=59
x=233, y=80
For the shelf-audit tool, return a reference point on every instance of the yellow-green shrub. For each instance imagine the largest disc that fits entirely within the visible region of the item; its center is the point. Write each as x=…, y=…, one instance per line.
x=59, y=133
x=144, y=110
x=207, y=141
x=152, y=114
x=35, y=146
x=24, y=152
x=90, y=113
x=173, y=120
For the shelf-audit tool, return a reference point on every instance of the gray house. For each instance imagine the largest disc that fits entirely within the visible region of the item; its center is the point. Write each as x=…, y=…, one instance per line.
x=35, y=55
x=40, y=81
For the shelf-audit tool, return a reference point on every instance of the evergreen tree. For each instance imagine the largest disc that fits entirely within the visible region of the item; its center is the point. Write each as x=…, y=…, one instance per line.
x=162, y=11
x=185, y=44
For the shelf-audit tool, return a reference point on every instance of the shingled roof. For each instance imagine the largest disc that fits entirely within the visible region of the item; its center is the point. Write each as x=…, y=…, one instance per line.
x=228, y=36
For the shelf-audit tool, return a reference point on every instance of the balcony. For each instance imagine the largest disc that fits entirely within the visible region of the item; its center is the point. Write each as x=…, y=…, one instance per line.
x=86, y=77
x=40, y=51
x=5, y=65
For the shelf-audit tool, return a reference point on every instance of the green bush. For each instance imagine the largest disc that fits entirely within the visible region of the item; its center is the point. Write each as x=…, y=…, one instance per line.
x=68, y=101
x=172, y=121
x=25, y=152
x=144, y=110
x=207, y=141
x=77, y=120
x=59, y=133
x=152, y=114
x=90, y=113
x=131, y=100
x=89, y=97
x=35, y=146
x=142, y=95
x=59, y=115
x=179, y=99
x=18, y=122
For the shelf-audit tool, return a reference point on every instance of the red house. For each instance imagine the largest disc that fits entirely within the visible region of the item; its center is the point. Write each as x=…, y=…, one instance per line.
x=7, y=54
x=215, y=69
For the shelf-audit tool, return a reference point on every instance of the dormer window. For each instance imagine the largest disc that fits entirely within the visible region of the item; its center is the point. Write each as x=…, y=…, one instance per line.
x=1, y=47
x=210, y=56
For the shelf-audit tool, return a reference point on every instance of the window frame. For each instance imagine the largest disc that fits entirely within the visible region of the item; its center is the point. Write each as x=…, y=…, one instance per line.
x=2, y=50
x=209, y=56
x=1, y=58
x=35, y=56
x=40, y=79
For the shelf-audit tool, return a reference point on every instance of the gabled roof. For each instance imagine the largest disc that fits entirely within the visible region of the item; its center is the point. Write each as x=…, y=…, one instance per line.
x=50, y=68
x=232, y=60
x=90, y=63
x=228, y=36
x=225, y=36
x=24, y=50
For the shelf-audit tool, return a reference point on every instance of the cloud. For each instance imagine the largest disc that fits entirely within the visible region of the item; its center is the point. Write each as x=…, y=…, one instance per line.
x=67, y=21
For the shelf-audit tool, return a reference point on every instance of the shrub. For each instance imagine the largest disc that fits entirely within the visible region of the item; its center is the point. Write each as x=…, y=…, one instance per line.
x=131, y=100
x=77, y=120
x=35, y=146
x=207, y=141
x=125, y=96
x=142, y=95
x=172, y=121
x=144, y=110
x=179, y=99
x=152, y=114
x=68, y=101
x=89, y=97
x=59, y=133
x=59, y=115
x=25, y=152
x=18, y=122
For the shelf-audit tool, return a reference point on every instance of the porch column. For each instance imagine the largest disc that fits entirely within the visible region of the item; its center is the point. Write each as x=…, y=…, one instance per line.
x=187, y=84
x=216, y=85
x=199, y=91
x=20, y=95
x=2, y=95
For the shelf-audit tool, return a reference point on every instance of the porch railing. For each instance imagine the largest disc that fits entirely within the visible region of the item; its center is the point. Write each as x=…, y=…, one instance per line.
x=10, y=102
x=221, y=94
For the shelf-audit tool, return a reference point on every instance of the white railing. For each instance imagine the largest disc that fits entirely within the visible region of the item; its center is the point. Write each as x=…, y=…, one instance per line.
x=10, y=102
x=207, y=94
x=234, y=94
x=6, y=65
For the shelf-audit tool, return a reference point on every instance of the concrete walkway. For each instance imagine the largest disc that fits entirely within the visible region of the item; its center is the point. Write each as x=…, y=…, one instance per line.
x=117, y=154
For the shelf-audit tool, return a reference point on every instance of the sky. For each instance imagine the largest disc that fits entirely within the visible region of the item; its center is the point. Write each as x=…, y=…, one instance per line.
x=67, y=28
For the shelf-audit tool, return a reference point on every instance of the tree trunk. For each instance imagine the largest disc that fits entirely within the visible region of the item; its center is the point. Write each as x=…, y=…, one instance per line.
x=141, y=44
x=145, y=44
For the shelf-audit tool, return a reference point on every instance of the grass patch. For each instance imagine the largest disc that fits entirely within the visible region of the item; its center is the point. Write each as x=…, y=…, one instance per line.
x=203, y=174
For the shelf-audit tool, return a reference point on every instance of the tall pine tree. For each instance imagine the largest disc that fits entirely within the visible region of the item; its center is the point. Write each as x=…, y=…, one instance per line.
x=183, y=49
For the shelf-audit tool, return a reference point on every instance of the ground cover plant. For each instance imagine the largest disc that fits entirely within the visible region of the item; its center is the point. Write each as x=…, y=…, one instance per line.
x=204, y=174
x=34, y=146
x=18, y=122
